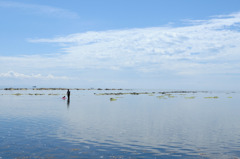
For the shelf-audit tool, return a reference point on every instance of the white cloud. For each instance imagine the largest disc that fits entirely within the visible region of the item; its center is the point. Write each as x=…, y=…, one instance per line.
x=203, y=48
x=208, y=46
x=40, y=9
x=12, y=74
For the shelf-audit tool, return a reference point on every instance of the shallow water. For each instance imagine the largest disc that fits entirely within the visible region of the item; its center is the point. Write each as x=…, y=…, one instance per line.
x=180, y=125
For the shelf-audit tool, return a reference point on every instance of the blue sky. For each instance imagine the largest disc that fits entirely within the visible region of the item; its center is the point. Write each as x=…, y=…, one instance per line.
x=172, y=44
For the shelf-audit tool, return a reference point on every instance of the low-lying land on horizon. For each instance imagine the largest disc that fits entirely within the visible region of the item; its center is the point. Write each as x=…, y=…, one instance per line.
x=64, y=89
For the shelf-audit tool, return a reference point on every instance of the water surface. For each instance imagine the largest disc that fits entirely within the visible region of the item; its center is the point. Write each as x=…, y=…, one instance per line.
x=153, y=125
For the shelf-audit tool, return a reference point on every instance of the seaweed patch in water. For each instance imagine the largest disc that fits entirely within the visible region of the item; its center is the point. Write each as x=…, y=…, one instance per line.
x=51, y=94
x=17, y=94
x=215, y=97
x=170, y=96
x=161, y=97
x=113, y=99
x=36, y=94
x=190, y=97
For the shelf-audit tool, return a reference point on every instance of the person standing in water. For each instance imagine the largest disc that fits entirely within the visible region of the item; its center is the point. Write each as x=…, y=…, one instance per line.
x=68, y=94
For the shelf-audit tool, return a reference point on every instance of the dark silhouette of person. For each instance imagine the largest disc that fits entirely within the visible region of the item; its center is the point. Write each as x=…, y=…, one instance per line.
x=68, y=94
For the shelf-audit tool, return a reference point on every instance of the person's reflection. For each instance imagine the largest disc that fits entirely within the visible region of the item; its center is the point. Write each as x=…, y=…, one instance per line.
x=68, y=103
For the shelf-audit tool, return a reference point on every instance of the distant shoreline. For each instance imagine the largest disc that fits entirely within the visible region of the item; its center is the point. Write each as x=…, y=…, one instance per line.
x=63, y=89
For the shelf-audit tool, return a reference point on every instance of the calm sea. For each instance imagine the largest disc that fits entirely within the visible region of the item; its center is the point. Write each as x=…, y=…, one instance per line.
x=40, y=124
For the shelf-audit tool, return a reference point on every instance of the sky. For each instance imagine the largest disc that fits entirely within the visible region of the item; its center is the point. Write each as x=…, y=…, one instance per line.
x=149, y=44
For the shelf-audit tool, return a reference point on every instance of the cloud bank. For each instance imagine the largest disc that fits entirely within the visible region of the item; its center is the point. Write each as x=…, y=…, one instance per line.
x=12, y=74
x=202, y=48
x=211, y=44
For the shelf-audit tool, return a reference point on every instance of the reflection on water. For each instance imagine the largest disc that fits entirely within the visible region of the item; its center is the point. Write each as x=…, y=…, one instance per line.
x=132, y=126
x=68, y=103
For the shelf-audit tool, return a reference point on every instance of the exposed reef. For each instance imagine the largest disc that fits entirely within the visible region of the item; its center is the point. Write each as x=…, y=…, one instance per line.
x=149, y=93
x=109, y=92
